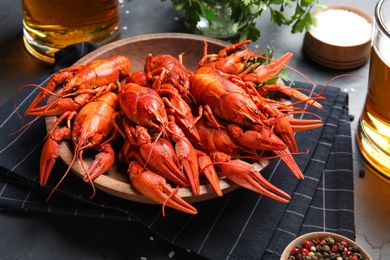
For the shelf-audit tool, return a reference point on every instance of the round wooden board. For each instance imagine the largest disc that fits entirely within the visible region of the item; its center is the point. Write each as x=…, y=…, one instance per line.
x=116, y=181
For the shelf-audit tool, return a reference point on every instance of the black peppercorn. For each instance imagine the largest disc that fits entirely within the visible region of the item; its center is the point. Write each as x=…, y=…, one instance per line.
x=326, y=248
x=355, y=249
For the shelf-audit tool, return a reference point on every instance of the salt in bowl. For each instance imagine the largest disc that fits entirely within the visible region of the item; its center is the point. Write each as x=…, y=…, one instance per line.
x=341, y=39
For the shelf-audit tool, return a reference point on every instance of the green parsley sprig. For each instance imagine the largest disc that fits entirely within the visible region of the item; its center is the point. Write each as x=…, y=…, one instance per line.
x=301, y=18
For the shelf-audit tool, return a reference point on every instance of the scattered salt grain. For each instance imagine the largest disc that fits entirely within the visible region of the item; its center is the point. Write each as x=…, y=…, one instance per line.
x=171, y=254
x=341, y=28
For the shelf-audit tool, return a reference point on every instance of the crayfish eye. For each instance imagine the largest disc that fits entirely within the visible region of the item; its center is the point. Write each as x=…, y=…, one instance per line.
x=181, y=82
x=248, y=121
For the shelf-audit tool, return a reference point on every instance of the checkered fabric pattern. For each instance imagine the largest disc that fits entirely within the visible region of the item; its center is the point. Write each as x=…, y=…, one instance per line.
x=239, y=225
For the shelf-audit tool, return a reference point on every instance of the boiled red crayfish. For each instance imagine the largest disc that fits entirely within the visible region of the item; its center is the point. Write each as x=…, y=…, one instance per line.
x=89, y=129
x=177, y=127
x=80, y=84
x=166, y=69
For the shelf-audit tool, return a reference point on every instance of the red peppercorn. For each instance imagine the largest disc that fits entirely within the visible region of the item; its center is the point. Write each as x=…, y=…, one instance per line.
x=305, y=251
x=348, y=253
x=307, y=244
x=295, y=251
x=335, y=248
x=316, y=241
x=354, y=257
x=344, y=243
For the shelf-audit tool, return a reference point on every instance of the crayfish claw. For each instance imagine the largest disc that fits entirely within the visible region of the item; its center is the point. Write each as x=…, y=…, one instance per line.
x=245, y=175
x=208, y=170
x=50, y=153
x=102, y=163
x=260, y=138
x=293, y=92
x=267, y=71
x=155, y=187
x=287, y=158
x=298, y=125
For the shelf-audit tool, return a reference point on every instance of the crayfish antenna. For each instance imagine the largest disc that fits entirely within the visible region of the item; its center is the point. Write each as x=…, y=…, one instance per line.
x=29, y=108
x=87, y=176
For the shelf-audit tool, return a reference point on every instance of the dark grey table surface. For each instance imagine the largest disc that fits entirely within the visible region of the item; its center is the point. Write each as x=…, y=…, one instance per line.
x=37, y=236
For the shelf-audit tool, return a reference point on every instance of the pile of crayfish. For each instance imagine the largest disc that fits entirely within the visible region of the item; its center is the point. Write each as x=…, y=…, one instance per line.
x=174, y=127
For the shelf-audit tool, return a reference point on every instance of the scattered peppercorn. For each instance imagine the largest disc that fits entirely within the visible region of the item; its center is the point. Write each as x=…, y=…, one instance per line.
x=325, y=248
x=351, y=117
x=362, y=173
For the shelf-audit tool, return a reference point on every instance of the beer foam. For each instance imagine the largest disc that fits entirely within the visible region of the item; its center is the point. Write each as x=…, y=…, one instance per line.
x=341, y=28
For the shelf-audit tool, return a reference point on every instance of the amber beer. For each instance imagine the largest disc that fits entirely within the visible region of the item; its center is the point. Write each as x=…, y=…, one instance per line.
x=52, y=25
x=378, y=97
x=373, y=135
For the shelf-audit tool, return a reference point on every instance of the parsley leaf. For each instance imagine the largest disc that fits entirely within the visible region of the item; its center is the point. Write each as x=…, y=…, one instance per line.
x=248, y=10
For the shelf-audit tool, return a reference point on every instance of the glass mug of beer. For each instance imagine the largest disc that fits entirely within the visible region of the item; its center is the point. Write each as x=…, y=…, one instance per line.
x=373, y=135
x=51, y=25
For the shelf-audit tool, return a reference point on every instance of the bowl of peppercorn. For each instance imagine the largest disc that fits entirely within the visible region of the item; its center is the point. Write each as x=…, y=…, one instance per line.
x=324, y=245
